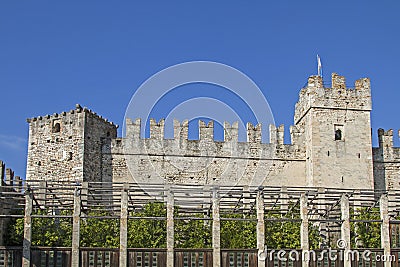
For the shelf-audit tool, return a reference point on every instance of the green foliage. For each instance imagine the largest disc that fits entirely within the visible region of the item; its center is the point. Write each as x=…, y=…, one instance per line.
x=145, y=233
x=286, y=233
x=45, y=231
x=99, y=232
x=14, y=235
x=367, y=234
x=189, y=233
x=239, y=233
x=193, y=233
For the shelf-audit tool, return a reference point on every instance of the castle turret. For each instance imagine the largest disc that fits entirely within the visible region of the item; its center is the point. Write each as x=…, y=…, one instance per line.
x=337, y=132
x=67, y=146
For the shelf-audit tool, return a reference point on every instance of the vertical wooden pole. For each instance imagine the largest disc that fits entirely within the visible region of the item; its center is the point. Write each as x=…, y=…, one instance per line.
x=345, y=229
x=304, y=239
x=123, y=229
x=260, y=226
x=170, y=228
x=75, y=227
x=385, y=233
x=26, y=250
x=216, y=229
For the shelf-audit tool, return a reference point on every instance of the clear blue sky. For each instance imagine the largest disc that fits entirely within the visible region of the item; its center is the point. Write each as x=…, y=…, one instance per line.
x=97, y=53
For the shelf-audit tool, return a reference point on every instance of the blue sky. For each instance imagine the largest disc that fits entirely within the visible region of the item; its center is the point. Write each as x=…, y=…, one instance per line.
x=97, y=53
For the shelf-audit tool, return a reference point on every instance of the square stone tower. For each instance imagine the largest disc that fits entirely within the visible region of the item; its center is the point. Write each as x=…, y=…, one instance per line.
x=67, y=146
x=336, y=130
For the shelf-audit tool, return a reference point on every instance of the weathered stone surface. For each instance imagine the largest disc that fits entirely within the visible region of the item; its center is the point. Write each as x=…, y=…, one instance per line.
x=330, y=147
x=67, y=147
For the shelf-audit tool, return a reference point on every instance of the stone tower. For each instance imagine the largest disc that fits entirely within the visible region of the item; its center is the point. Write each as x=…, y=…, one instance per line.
x=67, y=146
x=334, y=125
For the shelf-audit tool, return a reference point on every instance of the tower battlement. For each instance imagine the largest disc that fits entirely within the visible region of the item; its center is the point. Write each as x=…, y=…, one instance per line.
x=333, y=95
x=67, y=145
x=386, y=161
x=386, y=151
x=69, y=115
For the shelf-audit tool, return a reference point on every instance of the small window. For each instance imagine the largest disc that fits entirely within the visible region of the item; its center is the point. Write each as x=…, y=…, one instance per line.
x=56, y=127
x=338, y=135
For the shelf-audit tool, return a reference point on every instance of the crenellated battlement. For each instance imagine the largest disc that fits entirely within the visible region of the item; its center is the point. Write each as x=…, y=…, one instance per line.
x=206, y=131
x=386, y=150
x=70, y=115
x=253, y=133
x=333, y=95
x=8, y=178
x=385, y=138
x=386, y=161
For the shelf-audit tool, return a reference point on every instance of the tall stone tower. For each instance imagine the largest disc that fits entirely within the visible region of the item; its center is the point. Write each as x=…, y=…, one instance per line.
x=67, y=146
x=335, y=128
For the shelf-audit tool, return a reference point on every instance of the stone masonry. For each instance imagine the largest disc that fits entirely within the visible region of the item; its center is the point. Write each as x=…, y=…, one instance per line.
x=330, y=147
x=67, y=146
x=9, y=184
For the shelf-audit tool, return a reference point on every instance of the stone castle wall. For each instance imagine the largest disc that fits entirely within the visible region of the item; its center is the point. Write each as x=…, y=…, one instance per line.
x=320, y=114
x=8, y=183
x=85, y=147
x=203, y=161
x=386, y=162
x=67, y=146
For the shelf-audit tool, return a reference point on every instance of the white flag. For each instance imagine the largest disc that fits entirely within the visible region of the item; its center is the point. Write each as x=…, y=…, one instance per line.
x=319, y=66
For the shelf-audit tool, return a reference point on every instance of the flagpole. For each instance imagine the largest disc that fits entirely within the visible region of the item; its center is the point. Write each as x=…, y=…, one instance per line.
x=319, y=66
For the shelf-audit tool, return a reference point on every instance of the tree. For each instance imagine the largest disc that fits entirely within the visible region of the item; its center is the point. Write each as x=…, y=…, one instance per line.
x=147, y=233
x=99, y=232
x=239, y=232
x=283, y=230
x=366, y=234
x=46, y=231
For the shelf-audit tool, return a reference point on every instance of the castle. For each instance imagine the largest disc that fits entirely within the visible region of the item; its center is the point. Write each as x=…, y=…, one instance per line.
x=330, y=147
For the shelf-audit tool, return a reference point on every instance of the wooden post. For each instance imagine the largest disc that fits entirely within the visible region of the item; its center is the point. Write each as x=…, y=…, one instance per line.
x=322, y=226
x=75, y=227
x=304, y=241
x=170, y=229
x=260, y=226
x=216, y=229
x=385, y=234
x=26, y=250
x=345, y=230
x=123, y=229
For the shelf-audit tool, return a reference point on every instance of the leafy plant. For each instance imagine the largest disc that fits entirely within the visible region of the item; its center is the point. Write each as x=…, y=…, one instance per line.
x=366, y=234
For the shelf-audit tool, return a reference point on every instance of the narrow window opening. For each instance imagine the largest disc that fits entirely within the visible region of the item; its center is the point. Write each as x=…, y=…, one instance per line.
x=328, y=153
x=359, y=155
x=338, y=135
x=56, y=128
x=108, y=134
